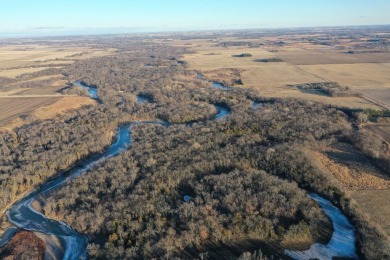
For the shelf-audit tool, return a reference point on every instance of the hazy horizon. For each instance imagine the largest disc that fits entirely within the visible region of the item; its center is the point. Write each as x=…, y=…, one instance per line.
x=49, y=18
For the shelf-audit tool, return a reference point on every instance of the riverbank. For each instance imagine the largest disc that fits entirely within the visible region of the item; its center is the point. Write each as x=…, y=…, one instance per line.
x=54, y=247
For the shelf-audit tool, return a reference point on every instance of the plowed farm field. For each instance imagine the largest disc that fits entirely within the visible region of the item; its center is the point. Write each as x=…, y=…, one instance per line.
x=12, y=107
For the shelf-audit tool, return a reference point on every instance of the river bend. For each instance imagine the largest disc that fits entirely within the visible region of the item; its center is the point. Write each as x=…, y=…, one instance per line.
x=22, y=214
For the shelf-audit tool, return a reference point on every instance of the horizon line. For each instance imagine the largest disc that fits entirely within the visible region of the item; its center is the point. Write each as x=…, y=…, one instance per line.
x=77, y=32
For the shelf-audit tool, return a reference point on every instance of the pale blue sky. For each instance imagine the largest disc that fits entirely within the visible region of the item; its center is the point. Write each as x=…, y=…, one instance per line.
x=56, y=16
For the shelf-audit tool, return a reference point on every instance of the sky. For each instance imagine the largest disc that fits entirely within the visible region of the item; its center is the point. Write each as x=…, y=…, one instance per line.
x=46, y=17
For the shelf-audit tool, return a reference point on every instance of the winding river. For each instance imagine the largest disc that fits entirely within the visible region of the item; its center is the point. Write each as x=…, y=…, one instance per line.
x=342, y=244
x=23, y=216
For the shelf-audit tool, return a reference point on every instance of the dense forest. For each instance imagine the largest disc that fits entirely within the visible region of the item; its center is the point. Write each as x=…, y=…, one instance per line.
x=180, y=188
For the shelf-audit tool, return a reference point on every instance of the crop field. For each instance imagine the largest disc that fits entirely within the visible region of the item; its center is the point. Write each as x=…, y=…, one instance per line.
x=12, y=57
x=45, y=101
x=357, y=61
x=380, y=95
x=300, y=56
x=272, y=79
x=37, y=107
x=218, y=58
x=277, y=74
x=357, y=76
x=50, y=90
x=382, y=130
x=12, y=107
x=12, y=73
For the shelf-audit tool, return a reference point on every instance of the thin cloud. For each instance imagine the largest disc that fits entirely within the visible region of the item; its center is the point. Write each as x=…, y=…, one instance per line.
x=47, y=28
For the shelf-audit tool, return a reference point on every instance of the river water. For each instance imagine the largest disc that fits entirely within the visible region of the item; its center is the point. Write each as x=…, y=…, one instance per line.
x=22, y=215
x=342, y=243
x=92, y=90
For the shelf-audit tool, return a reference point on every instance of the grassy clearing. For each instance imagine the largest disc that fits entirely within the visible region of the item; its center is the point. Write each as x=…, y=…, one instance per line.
x=62, y=106
x=228, y=77
x=352, y=169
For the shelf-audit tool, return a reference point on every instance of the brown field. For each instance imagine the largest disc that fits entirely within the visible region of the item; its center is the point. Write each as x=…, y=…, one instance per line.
x=39, y=102
x=43, y=55
x=366, y=73
x=14, y=59
x=39, y=107
x=51, y=90
x=370, y=80
x=380, y=95
x=93, y=54
x=277, y=74
x=10, y=108
x=218, y=57
x=12, y=73
x=11, y=92
x=357, y=76
x=375, y=203
x=386, y=128
x=352, y=169
x=62, y=106
x=382, y=130
x=300, y=56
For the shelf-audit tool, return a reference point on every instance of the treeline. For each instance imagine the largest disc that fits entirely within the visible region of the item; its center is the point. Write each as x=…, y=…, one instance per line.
x=22, y=81
x=332, y=89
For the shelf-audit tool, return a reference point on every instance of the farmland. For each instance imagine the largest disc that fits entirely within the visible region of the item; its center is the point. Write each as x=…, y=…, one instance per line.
x=382, y=130
x=12, y=107
x=351, y=61
x=364, y=70
x=229, y=168
x=370, y=200
x=23, y=56
x=309, y=56
x=13, y=73
x=33, y=91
